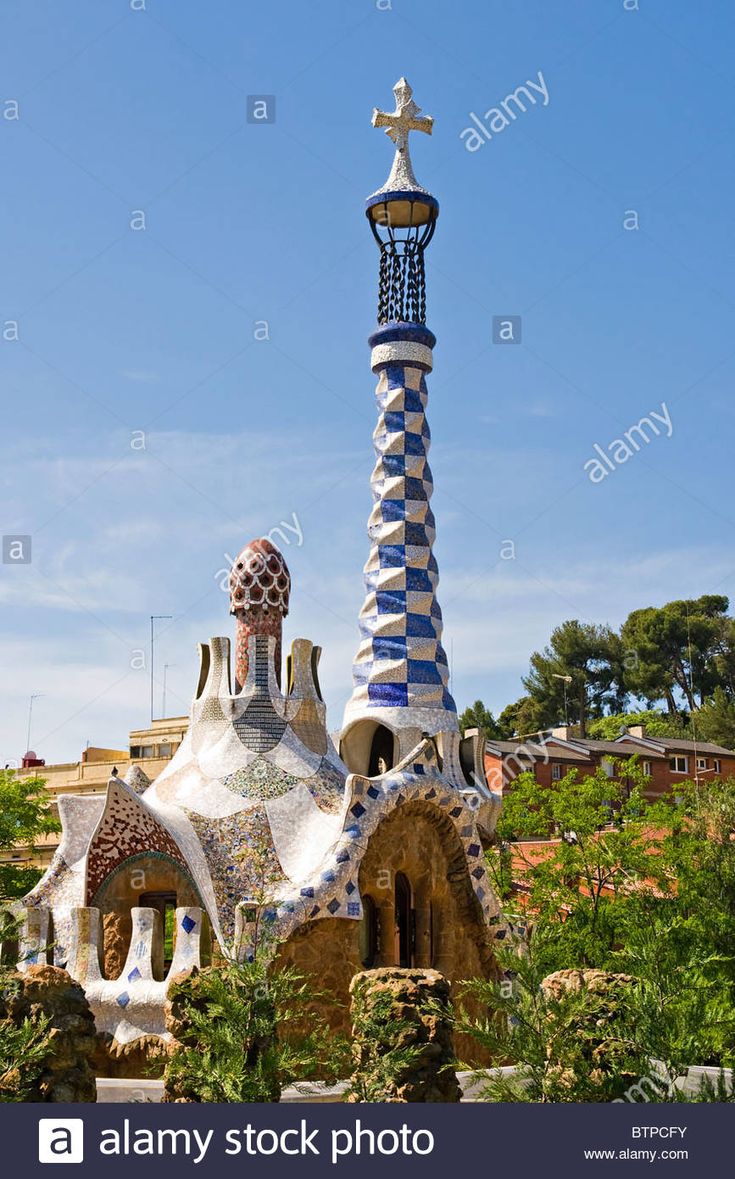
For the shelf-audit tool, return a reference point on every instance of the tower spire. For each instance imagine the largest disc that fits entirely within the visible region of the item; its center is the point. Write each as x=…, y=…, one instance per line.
x=400, y=672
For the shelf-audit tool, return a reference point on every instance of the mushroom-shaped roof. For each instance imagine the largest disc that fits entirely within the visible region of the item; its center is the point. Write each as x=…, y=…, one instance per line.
x=260, y=578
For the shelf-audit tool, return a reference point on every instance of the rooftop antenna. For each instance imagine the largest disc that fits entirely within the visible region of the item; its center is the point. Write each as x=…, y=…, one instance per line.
x=34, y=696
x=156, y=618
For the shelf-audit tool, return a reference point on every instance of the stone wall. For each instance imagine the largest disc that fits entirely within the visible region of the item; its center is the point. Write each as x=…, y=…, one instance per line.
x=66, y=1074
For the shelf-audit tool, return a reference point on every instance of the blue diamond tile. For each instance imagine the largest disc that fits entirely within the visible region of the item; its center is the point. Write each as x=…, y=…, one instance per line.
x=343, y=857
x=123, y=999
x=353, y=909
x=350, y=888
x=188, y=924
x=358, y=810
x=333, y=905
x=307, y=892
x=134, y=973
x=474, y=850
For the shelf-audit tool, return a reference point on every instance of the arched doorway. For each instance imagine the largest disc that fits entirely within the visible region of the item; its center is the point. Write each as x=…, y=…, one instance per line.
x=404, y=921
x=381, y=752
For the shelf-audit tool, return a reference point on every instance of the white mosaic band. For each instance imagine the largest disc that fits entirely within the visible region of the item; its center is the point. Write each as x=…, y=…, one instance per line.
x=402, y=352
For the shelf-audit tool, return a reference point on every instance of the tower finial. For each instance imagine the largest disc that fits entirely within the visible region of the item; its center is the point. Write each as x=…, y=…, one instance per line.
x=398, y=124
x=402, y=216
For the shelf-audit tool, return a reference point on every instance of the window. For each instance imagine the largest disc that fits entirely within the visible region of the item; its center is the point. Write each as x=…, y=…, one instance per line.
x=647, y=768
x=381, y=752
x=717, y=765
x=701, y=763
x=404, y=922
x=165, y=903
x=608, y=766
x=679, y=765
x=556, y=772
x=165, y=749
x=146, y=751
x=135, y=751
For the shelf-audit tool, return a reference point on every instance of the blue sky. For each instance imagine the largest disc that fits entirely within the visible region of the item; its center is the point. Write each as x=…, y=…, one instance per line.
x=122, y=330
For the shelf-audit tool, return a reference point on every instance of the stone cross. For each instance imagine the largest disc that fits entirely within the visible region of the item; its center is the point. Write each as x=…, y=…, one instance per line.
x=398, y=123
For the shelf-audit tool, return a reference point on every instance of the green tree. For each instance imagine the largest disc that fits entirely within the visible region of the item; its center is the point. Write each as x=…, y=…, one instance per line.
x=598, y=849
x=26, y=813
x=477, y=716
x=24, y=1048
x=584, y=659
x=678, y=651
x=246, y=1031
x=715, y=720
x=657, y=724
x=567, y=1043
x=648, y=897
x=522, y=718
x=698, y=854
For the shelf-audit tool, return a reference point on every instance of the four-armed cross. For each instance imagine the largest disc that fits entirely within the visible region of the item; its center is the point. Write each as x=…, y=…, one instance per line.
x=403, y=119
x=398, y=124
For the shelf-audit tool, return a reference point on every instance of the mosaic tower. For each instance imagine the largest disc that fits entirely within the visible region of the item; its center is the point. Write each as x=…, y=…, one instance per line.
x=400, y=672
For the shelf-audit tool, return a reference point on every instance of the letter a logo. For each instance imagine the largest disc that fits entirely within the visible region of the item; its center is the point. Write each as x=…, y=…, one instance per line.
x=60, y=1140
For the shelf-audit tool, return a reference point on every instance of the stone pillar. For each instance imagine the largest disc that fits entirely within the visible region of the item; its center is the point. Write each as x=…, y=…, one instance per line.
x=83, y=962
x=187, y=951
x=34, y=938
x=394, y=1010
x=145, y=939
x=386, y=930
x=422, y=909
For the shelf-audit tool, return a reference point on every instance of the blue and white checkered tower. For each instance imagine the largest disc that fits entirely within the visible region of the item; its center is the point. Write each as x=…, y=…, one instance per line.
x=400, y=672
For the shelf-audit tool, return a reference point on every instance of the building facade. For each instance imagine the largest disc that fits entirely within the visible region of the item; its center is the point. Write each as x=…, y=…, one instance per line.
x=260, y=830
x=666, y=761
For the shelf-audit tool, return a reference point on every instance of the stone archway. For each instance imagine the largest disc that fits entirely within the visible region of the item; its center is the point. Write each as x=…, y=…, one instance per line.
x=132, y=883
x=419, y=840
